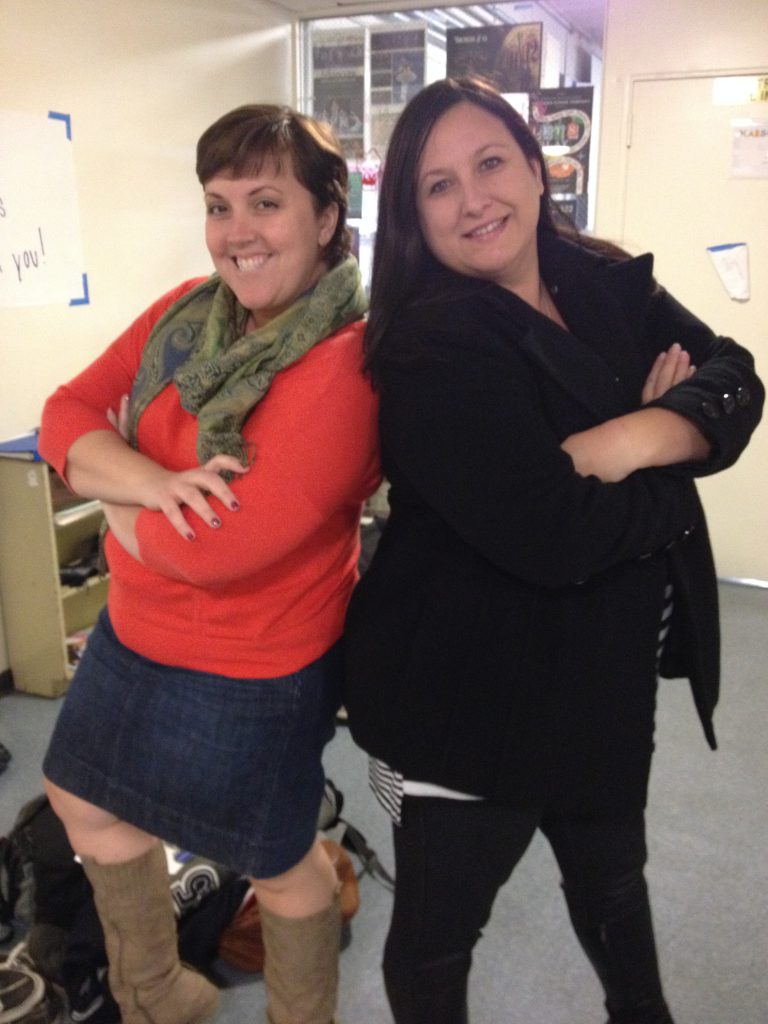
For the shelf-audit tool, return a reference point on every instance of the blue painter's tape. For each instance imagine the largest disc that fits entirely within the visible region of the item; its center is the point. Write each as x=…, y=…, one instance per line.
x=85, y=297
x=727, y=245
x=65, y=118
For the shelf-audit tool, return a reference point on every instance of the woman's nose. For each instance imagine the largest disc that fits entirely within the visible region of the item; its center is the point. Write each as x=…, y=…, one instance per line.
x=241, y=227
x=474, y=199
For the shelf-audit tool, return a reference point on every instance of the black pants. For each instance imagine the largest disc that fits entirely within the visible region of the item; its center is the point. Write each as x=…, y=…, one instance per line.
x=452, y=857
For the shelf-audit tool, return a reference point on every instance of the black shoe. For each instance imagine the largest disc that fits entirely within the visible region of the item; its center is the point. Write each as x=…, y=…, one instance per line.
x=652, y=1015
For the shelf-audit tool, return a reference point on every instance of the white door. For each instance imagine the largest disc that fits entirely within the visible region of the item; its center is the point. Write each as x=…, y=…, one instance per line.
x=681, y=198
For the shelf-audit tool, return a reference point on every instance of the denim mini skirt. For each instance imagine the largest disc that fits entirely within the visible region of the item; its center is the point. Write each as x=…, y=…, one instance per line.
x=228, y=769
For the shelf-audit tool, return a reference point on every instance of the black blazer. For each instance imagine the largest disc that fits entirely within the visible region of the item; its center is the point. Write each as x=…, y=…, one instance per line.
x=504, y=640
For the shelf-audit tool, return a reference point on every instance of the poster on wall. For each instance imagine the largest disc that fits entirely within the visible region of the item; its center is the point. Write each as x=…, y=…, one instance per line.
x=41, y=258
x=562, y=122
x=749, y=147
x=509, y=56
x=397, y=62
x=338, y=64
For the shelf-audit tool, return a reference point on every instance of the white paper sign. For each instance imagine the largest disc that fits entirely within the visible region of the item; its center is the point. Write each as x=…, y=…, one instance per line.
x=41, y=259
x=749, y=147
x=731, y=261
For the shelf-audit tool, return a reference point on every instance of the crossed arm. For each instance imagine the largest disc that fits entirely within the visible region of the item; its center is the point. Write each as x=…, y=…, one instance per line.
x=645, y=438
x=100, y=464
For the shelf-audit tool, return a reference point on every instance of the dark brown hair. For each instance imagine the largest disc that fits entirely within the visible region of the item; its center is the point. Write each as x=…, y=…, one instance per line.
x=240, y=141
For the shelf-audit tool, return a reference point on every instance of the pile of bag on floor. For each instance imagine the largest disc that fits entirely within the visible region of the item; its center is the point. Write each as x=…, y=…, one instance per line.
x=61, y=966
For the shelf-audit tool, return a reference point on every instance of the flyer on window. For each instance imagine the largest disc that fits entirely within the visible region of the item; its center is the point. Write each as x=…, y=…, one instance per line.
x=562, y=122
x=509, y=56
x=397, y=65
x=338, y=65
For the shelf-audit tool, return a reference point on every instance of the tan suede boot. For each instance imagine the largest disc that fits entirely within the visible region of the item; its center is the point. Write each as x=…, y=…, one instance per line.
x=301, y=966
x=135, y=907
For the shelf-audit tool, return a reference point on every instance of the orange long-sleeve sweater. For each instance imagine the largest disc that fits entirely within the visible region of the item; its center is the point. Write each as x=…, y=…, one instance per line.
x=266, y=593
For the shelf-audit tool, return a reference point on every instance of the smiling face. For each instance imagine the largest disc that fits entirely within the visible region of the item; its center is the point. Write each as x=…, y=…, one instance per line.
x=478, y=199
x=266, y=238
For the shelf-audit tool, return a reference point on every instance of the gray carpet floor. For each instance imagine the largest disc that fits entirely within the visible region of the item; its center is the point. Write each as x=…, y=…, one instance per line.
x=708, y=871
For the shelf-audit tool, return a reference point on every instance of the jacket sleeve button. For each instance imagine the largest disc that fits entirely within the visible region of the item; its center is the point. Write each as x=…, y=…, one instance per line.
x=743, y=397
x=728, y=403
x=710, y=409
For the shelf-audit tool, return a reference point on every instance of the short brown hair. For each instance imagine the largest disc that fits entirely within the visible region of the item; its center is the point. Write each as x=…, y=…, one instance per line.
x=240, y=141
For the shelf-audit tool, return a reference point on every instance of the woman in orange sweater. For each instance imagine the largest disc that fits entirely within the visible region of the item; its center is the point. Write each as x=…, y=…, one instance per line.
x=210, y=683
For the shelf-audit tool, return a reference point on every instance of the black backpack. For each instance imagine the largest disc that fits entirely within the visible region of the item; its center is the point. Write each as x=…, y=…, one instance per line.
x=40, y=882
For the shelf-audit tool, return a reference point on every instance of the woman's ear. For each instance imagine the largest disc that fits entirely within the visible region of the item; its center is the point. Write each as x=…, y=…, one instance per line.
x=329, y=218
x=536, y=168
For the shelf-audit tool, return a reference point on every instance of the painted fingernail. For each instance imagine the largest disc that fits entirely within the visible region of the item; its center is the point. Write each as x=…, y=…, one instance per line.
x=190, y=536
x=235, y=505
x=215, y=523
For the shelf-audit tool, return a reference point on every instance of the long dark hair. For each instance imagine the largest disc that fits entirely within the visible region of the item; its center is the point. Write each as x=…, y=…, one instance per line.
x=401, y=259
x=240, y=141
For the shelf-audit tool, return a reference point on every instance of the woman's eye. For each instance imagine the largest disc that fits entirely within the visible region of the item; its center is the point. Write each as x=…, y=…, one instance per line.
x=490, y=162
x=215, y=209
x=438, y=186
x=266, y=204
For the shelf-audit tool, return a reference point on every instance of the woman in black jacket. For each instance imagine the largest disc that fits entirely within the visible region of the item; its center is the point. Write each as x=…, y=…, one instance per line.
x=545, y=408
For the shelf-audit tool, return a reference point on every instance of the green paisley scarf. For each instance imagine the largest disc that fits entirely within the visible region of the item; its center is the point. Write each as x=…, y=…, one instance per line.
x=220, y=373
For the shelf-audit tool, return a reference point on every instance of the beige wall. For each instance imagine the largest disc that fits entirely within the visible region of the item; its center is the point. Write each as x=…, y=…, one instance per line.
x=141, y=81
x=669, y=43
x=644, y=37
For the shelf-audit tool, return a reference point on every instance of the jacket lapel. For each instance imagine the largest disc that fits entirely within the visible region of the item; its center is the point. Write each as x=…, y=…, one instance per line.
x=576, y=367
x=597, y=361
